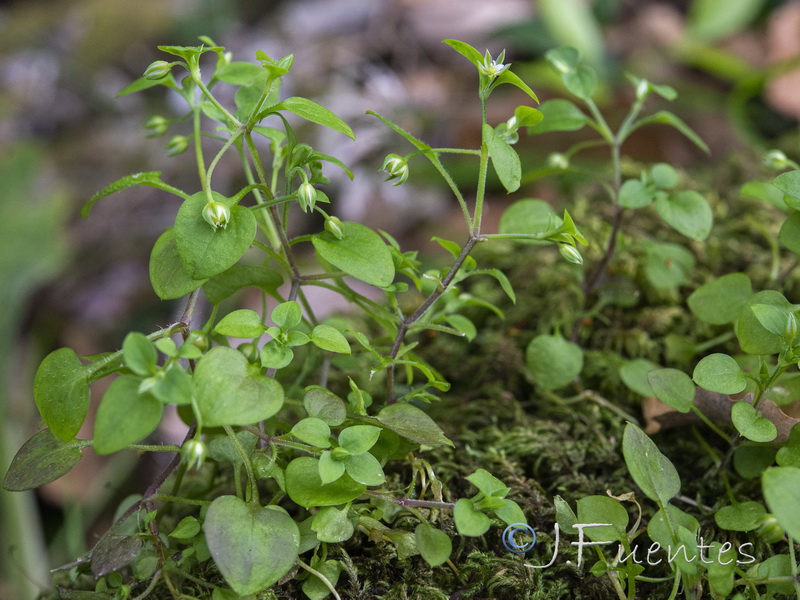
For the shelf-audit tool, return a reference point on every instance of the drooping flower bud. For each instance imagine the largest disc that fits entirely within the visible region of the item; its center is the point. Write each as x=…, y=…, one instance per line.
x=156, y=126
x=157, y=70
x=571, y=254
x=777, y=160
x=397, y=168
x=306, y=196
x=193, y=453
x=177, y=145
x=199, y=339
x=250, y=352
x=334, y=226
x=558, y=161
x=509, y=131
x=790, y=332
x=216, y=214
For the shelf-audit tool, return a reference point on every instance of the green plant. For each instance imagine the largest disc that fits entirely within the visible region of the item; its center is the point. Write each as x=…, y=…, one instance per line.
x=288, y=440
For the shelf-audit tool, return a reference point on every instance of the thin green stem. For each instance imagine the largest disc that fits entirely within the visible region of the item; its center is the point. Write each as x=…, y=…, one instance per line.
x=170, y=498
x=198, y=146
x=215, y=162
x=470, y=151
x=253, y=496
x=234, y=122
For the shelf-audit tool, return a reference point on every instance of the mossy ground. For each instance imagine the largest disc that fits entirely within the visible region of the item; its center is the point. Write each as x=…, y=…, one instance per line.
x=543, y=444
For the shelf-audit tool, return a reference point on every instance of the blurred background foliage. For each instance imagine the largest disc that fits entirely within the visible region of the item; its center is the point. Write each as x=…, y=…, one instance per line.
x=63, y=135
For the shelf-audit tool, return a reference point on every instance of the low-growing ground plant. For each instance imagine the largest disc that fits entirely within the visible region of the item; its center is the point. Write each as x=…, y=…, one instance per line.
x=306, y=434
x=290, y=429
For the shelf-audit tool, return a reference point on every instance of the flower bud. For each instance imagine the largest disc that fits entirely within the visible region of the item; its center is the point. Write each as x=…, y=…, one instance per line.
x=199, y=339
x=193, y=453
x=334, y=226
x=339, y=453
x=777, y=160
x=177, y=145
x=397, y=168
x=642, y=89
x=216, y=214
x=790, y=331
x=558, y=161
x=509, y=131
x=250, y=352
x=157, y=70
x=156, y=126
x=769, y=529
x=571, y=254
x=306, y=196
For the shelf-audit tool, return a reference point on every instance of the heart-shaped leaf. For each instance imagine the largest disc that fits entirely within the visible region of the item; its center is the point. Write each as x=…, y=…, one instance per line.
x=125, y=416
x=673, y=387
x=751, y=424
x=253, y=547
x=719, y=373
x=228, y=392
x=42, y=459
x=61, y=392
x=360, y=252
x=168, y=276
x=304, y=486
x=204, y=250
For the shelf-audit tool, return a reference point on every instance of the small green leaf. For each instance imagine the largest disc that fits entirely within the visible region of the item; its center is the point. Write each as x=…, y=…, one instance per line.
x=329, y=338
x=554, y=361
x=114, y=552
x=749, y=422
x=687, y=212
x=651, y=470
x=560, y=115
x=767, y=192
x=789, y=234
x=602, y=509
x=564, y=59
x=325, y=405
x=186, y=529
x=225, y=284
x=788, y=183
x=311, y=111
x=510, y=513
x=774, y=319
x=139, y=354
x=241, y=73
x=529, y=216
x=465, y=50
x=664, y=176
x=359, y=438
x=512, y=79
x=222, y=449
x=313, y=431
x=781, y=487
x=582, y=81
x=253, y=547
x=634, y=194
x=361, y=253
x=332, y=525
x=168, y=276
x=634, y=375
x=175, y=387
x=287, y=314
x=204, y=250
x=412, y=423
x=42, y=459
x=740, y=517
x=673, y=387
x=488, y=483
x=753, y=338
x=434, y=545
x=469, y=521
x=463, y=325
x=275, y=356
x=314, y=588
x=304, y=486
x=329, y=468
x=151, y=178
x=711, y=20
x=667, y=265
x=719, y=373
x=667, y=118
x=241, y=323
x=721, y=300
x=365, y=468
x=125, y=416
x=504, y=159
x=228, y=393
x=61, y=392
